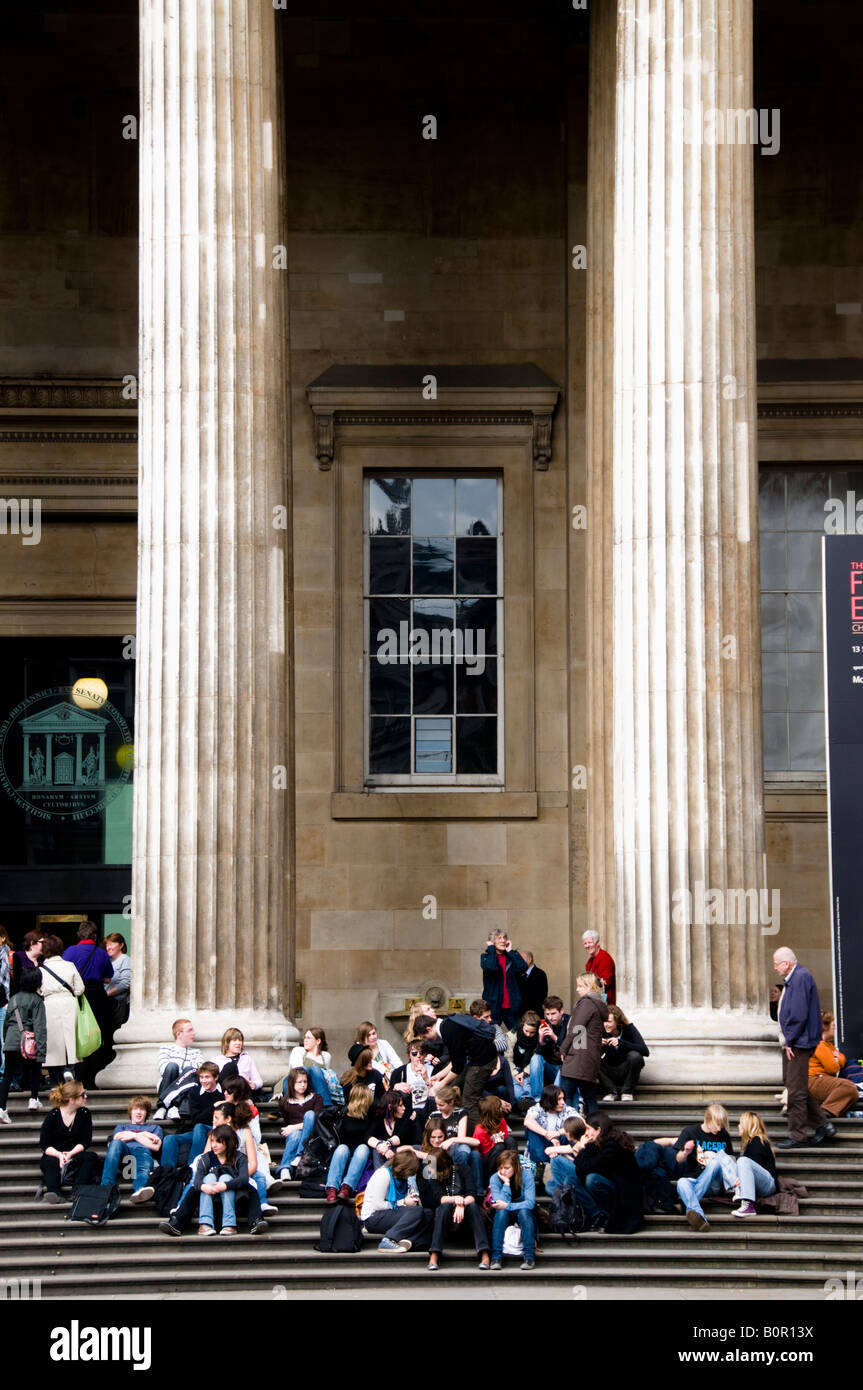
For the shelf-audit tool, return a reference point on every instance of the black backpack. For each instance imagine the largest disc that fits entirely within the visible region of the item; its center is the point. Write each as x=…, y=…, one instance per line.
x=168, y=1185
x=94, y=1205
x=567, y=1214
x=341, y=1231
x=320, y=1145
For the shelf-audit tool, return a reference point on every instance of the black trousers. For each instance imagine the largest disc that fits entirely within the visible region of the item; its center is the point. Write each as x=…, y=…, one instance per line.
x=84, y=1168
x=402, y=1223
x=473, y=1225
x=103, y=1012
x=29, y=1075
x=621, y=1075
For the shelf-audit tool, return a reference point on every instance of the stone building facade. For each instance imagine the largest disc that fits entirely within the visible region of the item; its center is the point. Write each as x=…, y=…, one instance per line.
x=257, y=259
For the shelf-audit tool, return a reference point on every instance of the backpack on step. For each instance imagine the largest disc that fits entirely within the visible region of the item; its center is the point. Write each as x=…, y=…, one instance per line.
x=94, y=1205
x=168, y=1185
x=567, y=1214
x=341, y=1231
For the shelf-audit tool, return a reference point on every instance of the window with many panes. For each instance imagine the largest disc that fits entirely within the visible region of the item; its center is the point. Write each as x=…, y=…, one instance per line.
x=794, y=504
x=433, y=598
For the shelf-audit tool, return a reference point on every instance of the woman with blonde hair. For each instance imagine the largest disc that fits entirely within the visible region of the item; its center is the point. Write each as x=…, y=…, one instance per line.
x=419, y=1009
x=579, y=1061
x=349, y=1159
x=756, y=1166
x=65, y=1139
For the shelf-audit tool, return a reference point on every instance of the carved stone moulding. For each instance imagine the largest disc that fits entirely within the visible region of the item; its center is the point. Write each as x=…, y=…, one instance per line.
x=433, y=396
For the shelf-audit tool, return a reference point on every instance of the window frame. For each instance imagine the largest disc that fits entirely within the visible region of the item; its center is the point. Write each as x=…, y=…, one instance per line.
x=434, y=780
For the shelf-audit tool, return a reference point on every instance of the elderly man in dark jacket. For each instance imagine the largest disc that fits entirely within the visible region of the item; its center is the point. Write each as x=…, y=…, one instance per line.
x=800, y=1024
x=502, y=972
x=581, y=1049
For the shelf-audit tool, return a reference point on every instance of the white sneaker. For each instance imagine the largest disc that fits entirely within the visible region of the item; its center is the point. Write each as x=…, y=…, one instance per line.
x=158, y=1113
x=67, y=1076
x=611, y=1096
x=268, y=1209
x=34, y=1103
x=173, y=1113
x=142, y=1195
x=4, y=1118
x=627, y=1095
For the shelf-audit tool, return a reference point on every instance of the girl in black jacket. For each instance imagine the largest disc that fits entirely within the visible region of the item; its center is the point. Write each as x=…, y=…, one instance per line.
x=223, y=1172
x=447, y=1189
x=623, y=1054
x=605, y=1164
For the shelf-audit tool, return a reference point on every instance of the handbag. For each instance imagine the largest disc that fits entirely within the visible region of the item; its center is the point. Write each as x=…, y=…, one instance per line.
x=27, y=1039
x=88, y=1035
x=512, y=1242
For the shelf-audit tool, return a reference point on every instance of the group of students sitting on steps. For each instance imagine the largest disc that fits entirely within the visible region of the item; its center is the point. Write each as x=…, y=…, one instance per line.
x=422, y=1151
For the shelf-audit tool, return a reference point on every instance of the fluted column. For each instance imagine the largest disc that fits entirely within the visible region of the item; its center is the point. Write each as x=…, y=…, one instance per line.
x=211, y=883
x=675, y=537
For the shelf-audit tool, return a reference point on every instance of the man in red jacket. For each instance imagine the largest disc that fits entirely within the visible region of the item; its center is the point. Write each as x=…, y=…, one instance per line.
x=600, y=964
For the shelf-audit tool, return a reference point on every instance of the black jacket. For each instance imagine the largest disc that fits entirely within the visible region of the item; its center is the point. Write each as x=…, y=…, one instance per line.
x=550, y=1049
x=200, y=1107
x=459, y=1184
x=630, y=1041
x=534, y=991
x=468, y=1040
x=611, y=1160
x=212, y=1169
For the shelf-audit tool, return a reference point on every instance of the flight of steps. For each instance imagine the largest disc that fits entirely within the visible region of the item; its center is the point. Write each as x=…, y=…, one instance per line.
x=130, y=1256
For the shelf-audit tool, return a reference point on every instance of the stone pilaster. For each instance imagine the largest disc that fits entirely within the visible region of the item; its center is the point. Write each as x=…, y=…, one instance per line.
x=211, y=925
x=676, y=745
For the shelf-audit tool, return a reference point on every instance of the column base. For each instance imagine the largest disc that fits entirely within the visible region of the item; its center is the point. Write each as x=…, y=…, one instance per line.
x=269, y=1037
x=714, y=1046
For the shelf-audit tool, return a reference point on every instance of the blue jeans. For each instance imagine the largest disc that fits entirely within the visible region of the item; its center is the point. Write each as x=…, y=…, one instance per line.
x=522, y=1088
x=296, y=1142
x=601, y=1190
x=559, y=1173
x=229, y=1209
x=657, y=1158
x=528, y=1237
x=143, y=1158
x=755, y=1181
x=177, y=1148
x=537, y=1145
x=466, y=1156
x=318, y=1083
x=542, y=1073
x=354, y=1163
x=718, y=1174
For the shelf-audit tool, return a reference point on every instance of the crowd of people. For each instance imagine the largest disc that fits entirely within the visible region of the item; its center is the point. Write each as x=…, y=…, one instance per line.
x=423, y=1149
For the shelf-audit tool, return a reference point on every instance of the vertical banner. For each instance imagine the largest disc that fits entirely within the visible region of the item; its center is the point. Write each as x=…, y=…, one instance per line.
x=843, y=692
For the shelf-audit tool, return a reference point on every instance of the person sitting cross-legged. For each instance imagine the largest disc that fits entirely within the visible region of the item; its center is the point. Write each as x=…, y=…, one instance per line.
x=141, y=1142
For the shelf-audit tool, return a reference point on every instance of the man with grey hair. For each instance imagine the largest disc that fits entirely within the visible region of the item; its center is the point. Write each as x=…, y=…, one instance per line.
x=600, y=964
x=800, y=1027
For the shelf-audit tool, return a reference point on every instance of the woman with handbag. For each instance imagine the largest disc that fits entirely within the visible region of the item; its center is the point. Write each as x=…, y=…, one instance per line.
x=61, y=988
x=65, y=1139
x=25, y=1038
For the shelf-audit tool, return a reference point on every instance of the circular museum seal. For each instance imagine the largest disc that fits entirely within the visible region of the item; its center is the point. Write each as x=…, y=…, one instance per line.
x=60, y=760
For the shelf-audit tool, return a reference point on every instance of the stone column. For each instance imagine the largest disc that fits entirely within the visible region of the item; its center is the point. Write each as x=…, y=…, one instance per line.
x=211, y=922
x=676, y=723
